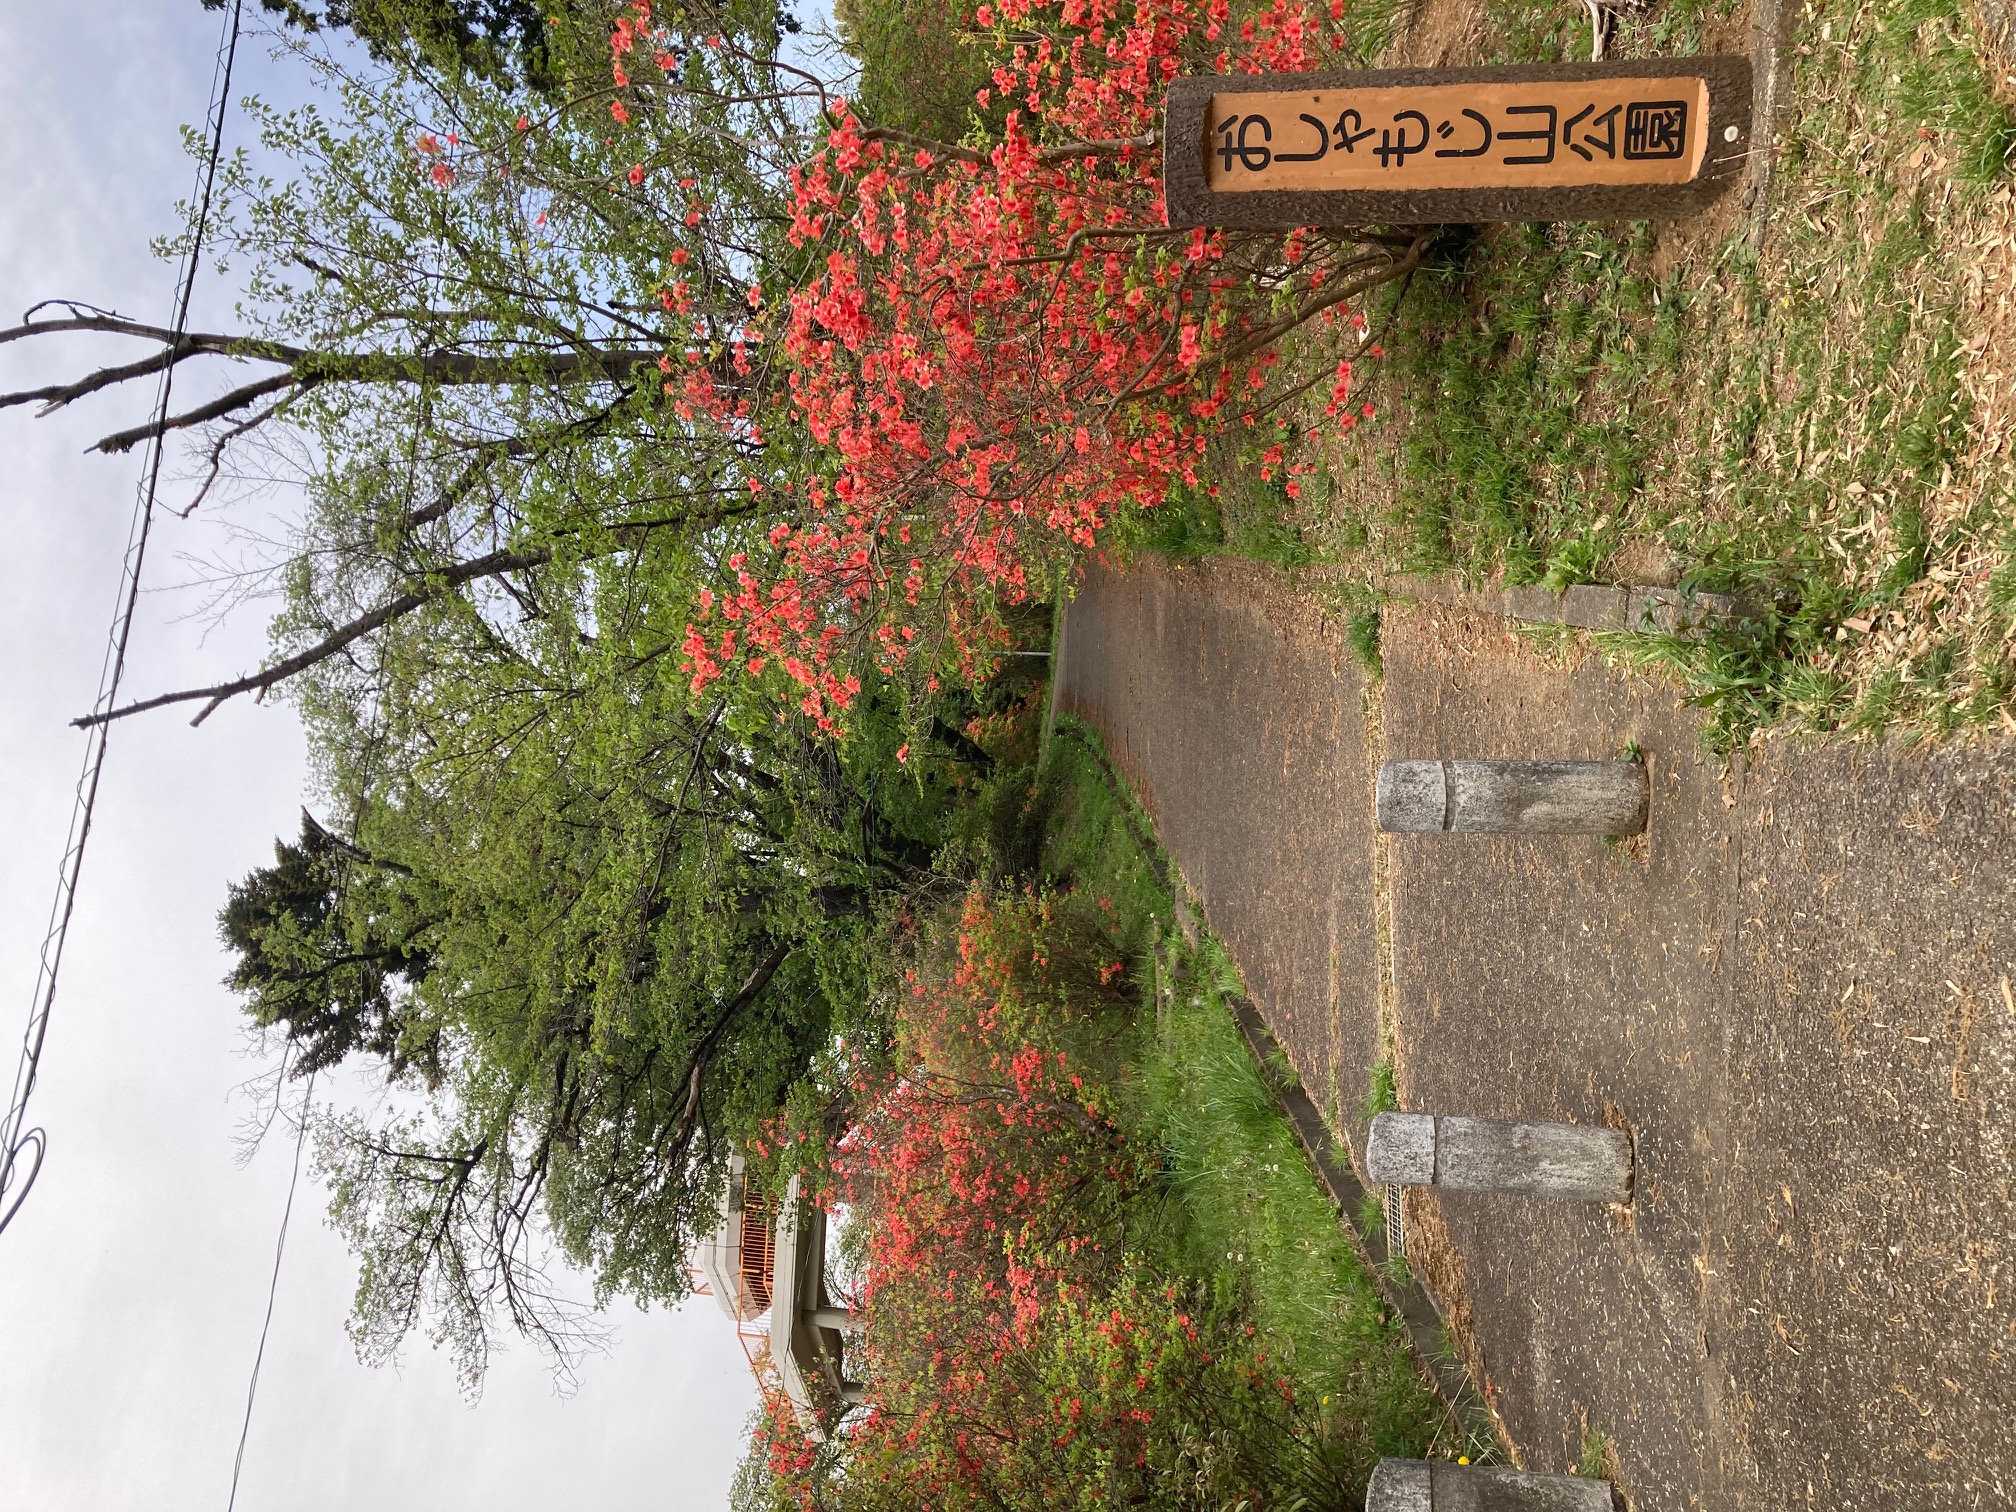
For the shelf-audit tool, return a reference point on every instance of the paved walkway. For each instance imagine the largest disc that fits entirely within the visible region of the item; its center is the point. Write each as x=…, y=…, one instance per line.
x=1799, y=990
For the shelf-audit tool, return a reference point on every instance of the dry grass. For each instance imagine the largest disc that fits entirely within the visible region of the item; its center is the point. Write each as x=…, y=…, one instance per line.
x=1816, y=407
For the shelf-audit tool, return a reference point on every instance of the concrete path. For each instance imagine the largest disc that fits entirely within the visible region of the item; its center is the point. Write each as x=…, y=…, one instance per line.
x=1798, y=991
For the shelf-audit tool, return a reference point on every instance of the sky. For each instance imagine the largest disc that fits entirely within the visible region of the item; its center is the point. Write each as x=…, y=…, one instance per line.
x=133, y=1283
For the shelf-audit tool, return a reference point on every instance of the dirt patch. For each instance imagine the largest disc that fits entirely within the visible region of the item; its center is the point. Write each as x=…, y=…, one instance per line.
x=1988, y=327
x=1647, y=561
x=1693, y=243
x=1994, y=25
x=1733, y=33
x=1437, y=34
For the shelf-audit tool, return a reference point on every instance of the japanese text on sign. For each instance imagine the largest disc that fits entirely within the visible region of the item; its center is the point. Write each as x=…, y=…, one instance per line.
x=1458, y=136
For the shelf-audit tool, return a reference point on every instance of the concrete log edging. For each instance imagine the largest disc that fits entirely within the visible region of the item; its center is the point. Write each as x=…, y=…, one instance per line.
x=1567, y=1162
x=1399, y=1485
x=1513, y=797
x=1589, y=606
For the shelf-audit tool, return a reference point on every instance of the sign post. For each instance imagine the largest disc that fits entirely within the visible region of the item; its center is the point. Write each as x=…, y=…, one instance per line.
x=1644, y=139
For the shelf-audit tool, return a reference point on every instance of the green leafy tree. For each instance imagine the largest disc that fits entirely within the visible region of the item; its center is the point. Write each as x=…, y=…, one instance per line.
x=589, y=924
x=490, y=37
x=329, y=956
x=493, y=38
x=920, y=70
x=600, y=930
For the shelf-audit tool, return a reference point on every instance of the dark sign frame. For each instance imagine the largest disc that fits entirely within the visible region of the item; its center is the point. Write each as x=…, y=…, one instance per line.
x=1190, y=202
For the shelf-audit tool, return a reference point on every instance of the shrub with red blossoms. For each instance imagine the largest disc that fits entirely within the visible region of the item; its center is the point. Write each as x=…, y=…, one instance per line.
x=997, y=346
x=1019, y=1354
x=989, y=1133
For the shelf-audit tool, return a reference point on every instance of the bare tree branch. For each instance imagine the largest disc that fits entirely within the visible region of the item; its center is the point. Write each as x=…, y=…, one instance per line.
x=1078, y=237
x=924, y=144
x=216, y=409
x=118, y=325
x=216, y=458
x=1064, y=152
x=1320, y=301
x=306, y=368
x=336, y=640
x=173, y=350
x=487, y=452
x=703, y=1053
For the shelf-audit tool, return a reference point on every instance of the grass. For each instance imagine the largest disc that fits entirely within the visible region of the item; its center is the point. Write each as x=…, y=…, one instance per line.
x=1593, y=1461
x=1803, y=424
x=1254, y=1208
x=1383, y=1093
x=1240, y=1206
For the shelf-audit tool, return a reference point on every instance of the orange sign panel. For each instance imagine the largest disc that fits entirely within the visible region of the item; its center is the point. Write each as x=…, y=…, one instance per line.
x=1496, y=134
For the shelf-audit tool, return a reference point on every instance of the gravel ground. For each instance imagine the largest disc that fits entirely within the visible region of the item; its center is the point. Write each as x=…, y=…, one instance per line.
x=1795, y=991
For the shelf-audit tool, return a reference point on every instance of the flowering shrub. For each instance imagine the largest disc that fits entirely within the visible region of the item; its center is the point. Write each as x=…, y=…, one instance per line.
x=988, y=1131
x=998, y=346
x=1118, y=1393
x=1019, y=1356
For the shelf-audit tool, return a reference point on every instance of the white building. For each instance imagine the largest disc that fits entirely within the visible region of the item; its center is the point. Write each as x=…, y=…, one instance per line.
x=756, y=1265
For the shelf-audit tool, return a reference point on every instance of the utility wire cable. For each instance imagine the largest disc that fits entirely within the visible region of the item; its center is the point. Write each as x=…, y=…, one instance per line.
x=21, y=1148
x=273, y=1287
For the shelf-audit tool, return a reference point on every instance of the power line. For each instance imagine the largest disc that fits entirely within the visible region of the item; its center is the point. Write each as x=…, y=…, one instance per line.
x=273, y=1287
x=17, y=1142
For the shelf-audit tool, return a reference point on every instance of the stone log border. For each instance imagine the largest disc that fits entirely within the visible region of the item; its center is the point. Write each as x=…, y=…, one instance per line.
x=1568, y=1162
x=1441, y=797
x=1400, y=1485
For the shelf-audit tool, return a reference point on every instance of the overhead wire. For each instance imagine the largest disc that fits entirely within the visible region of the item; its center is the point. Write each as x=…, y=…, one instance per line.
x=22, y=1149
x=273, y=1286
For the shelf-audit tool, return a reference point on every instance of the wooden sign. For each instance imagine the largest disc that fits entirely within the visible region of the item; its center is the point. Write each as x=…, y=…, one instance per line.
x=1573, y=141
